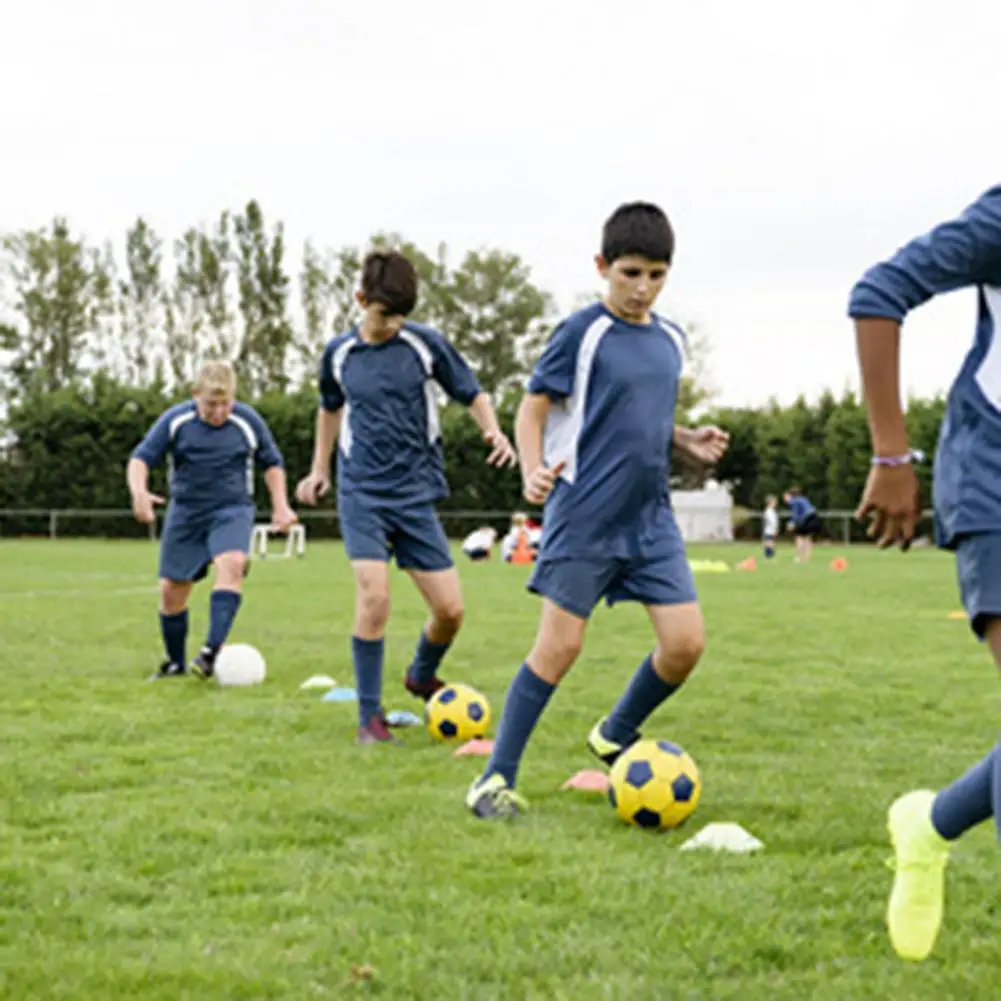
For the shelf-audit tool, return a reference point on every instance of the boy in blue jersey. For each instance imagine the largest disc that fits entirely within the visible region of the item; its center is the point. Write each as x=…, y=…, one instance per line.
x=965, y=252
x=594, y=434
x=212, y=443
x=805, y=523
x=378, y=398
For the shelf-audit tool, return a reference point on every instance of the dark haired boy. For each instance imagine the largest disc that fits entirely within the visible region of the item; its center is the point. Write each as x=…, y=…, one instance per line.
x=594, y=433
x=377, y=398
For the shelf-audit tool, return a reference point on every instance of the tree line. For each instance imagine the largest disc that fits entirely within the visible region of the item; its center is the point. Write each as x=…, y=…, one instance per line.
x=96, y=341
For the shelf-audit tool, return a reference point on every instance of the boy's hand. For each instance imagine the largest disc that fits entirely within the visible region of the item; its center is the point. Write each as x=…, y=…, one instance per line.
x=892, y=500
x=707, y=444
x=143, y=507
x=311, y=488
x=540, y=484
x=502, y=451
x=282, y=519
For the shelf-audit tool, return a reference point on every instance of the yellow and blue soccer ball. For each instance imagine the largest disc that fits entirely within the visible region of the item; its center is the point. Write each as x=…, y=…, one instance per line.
x=458, y=712
x=654, y=784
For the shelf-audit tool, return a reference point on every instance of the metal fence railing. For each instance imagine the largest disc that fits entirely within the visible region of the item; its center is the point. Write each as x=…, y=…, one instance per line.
x=117, y=523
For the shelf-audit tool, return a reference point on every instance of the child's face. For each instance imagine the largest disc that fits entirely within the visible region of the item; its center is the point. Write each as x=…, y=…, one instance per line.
x=634, y=283
x=377, y=325
x=214, y=408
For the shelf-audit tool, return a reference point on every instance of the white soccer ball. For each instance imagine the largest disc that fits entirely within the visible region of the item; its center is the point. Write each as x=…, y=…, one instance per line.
x=240, y=664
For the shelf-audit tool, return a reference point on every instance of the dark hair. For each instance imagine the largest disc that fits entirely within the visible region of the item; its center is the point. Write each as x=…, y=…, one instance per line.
x=639, y=228
x=388, y=278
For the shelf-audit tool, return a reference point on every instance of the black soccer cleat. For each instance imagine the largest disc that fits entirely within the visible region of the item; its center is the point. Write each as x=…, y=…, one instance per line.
x=203, y=666
x=168, y=669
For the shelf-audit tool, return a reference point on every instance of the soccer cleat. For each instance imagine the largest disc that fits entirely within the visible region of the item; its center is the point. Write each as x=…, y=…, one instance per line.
x=203, y=666
x=604, y=749
x=376, y=731
x=914, y=913
x=491, y=798
x=168, y=669
x=423, y=689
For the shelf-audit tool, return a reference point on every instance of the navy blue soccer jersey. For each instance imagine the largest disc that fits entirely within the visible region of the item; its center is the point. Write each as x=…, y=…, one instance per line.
x=801, y=509
x=614, y=389
x=390, y=440
x=210, y=467
x=965, y=252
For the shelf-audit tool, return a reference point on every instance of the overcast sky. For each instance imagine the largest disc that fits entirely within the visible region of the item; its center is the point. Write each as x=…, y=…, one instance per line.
x=791, y=143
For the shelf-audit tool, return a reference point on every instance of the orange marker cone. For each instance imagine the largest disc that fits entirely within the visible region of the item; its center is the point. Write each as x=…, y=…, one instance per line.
x=522, y=553
x=749, y=564
x=839, y=564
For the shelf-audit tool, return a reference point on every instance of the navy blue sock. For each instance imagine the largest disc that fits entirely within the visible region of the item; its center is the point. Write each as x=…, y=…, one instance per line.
x=646, y=691
x=367, y=656
x=526, y=700
x=427, y=657
x=223, y=607
x=174, y=629
x=968, y=801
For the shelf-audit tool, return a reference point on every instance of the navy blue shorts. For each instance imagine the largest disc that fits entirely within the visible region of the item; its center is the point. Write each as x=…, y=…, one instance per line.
x=191, y=540
x=978, y=566
x=577, y=585
x=410, y=533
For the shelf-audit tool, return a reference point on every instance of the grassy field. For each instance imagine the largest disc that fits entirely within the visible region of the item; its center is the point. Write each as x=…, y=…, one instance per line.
x=182, y=841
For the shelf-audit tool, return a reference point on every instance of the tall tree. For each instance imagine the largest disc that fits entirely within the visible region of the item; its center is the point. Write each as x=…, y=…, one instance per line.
x=141, y=306
x=199, y=319
x=497, y=317
x=263, y=286
x=105, y=353
x=51, y=278
x=316, y=296
x=695, y=392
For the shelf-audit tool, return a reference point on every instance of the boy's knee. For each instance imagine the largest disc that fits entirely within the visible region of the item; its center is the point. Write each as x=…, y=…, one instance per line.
x=373, y=610
x=173, y=596
x=676, y=659
x=448, y=616
x=553, y=656
x=230, y=568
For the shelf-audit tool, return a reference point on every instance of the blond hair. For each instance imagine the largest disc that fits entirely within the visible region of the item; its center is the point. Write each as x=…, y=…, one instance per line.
x=216, y=378
x=519, y=518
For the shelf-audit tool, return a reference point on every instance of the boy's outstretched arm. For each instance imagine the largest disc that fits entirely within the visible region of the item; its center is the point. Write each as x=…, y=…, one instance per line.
x=962, y=252
x=537, y=480
x=482, y=411
x=313, y=486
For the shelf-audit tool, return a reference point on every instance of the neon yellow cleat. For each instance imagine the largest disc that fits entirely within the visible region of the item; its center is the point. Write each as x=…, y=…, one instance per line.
x=604, y=749
x=914, y=914
x=491, y=798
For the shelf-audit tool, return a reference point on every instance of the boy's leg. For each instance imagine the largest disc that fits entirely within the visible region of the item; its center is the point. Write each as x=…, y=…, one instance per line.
x=559, y=641
x=366, y=542
x=174, y=596
x=229, y=548
x=183, y=552
x=922, y=825
x=368, y=646
x=571, y=589
x=422, y=550
x=442, y=591
x=665, y=586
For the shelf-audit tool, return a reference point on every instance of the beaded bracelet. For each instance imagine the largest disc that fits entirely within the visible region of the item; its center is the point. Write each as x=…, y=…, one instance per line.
x=892, y=461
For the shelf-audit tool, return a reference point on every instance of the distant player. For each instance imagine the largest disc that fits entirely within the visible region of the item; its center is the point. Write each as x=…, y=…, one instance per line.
x=770, y=525
x=594, y=434
x=213, y=444
x=805, y=523
x=967, y=494
x=378, y=385
x=479, y=545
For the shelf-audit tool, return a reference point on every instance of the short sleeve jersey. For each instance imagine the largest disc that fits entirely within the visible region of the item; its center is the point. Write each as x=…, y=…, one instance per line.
x=614, y=389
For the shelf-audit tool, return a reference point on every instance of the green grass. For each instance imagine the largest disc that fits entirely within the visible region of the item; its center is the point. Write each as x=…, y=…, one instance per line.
x=180, y=841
